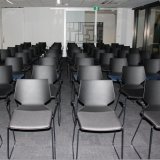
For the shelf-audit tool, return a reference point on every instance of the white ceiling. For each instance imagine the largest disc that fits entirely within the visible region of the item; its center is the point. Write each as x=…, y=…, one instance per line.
x=76, y=3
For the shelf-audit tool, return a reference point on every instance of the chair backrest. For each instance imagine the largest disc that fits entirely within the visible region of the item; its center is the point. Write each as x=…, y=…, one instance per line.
x=12, y=51
x=97, y=53
x=133, y=75
x=48, y=61
x=105, y=58
x=133, y=59
x=84, y=61
x=123, y=53
x=96, y=93
x=15, y=62
x=78, y=55
x=45, y=72
x=152, y=92
x=117, y=64
x=5, y=74
x=4, y=54
x=134, y=50
x=24, y=56
x=89, y=73
x=152, y=65
x=32, y=91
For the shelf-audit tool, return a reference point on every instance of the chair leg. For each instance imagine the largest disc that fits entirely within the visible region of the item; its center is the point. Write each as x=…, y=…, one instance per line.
x=122, y=144
x=72, y=92
x=117, y=101
x=8, y=107
x=53, y=135
x=73, y=138
x=134, y=137
x=150, y=143
x=9, y=154
x=114, y=145
x=59, y=108
x=59, y=115
x=77, y=143
x=124, y=112
x=1, y=141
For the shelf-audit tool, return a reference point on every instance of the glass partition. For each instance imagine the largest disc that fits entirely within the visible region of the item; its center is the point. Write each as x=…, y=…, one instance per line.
x=140, y=28
x=153, y=38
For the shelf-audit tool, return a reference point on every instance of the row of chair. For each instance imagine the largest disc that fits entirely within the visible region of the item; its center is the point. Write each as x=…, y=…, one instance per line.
x=32, y=95
x=136, y=83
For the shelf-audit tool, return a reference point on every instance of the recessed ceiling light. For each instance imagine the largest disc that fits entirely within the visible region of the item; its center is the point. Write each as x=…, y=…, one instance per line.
x=9, y=1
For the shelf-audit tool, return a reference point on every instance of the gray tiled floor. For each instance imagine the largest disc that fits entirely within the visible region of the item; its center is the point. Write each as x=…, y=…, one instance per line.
x=37, y=146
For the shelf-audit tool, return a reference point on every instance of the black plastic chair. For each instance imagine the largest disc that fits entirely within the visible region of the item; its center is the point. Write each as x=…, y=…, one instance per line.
x=80, y=62
x=84, y=73
x=151, y=111
x=4, y=53
x=133, y=59
x=6, y=88
x=32, y=114
x=96, y=116
x=105, y=61
x=55, y=82
x=132, y=85
x=134, y=50
x=152, y=68
x=17, y=67
x=123, y=53
x=116, y=69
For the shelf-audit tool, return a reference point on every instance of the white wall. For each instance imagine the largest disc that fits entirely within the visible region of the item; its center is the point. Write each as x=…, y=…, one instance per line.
x=33, y=25
x=12, y=26
x=125, y=26
x=0, y=28
x=75, y=16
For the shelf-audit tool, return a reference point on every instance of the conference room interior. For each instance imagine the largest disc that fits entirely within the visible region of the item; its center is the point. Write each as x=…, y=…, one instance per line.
x=79, y=79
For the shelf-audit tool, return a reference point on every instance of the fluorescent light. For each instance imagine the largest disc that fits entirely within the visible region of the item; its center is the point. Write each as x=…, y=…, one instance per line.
x=9, y=1
x=58, y=1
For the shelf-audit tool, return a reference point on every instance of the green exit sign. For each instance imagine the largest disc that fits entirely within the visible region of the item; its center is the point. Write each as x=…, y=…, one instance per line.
x=96, y=8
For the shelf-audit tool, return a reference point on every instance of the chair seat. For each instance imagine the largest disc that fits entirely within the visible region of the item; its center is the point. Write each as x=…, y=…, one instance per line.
x=99, y=121
x=152, y=114
x=54, y=90
x=132, y=91
x=153, y=76
x=115, y=77
x=31, y=118
x=105, y=67
x=17, y=75
x=153, y=117
x=5, y=90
